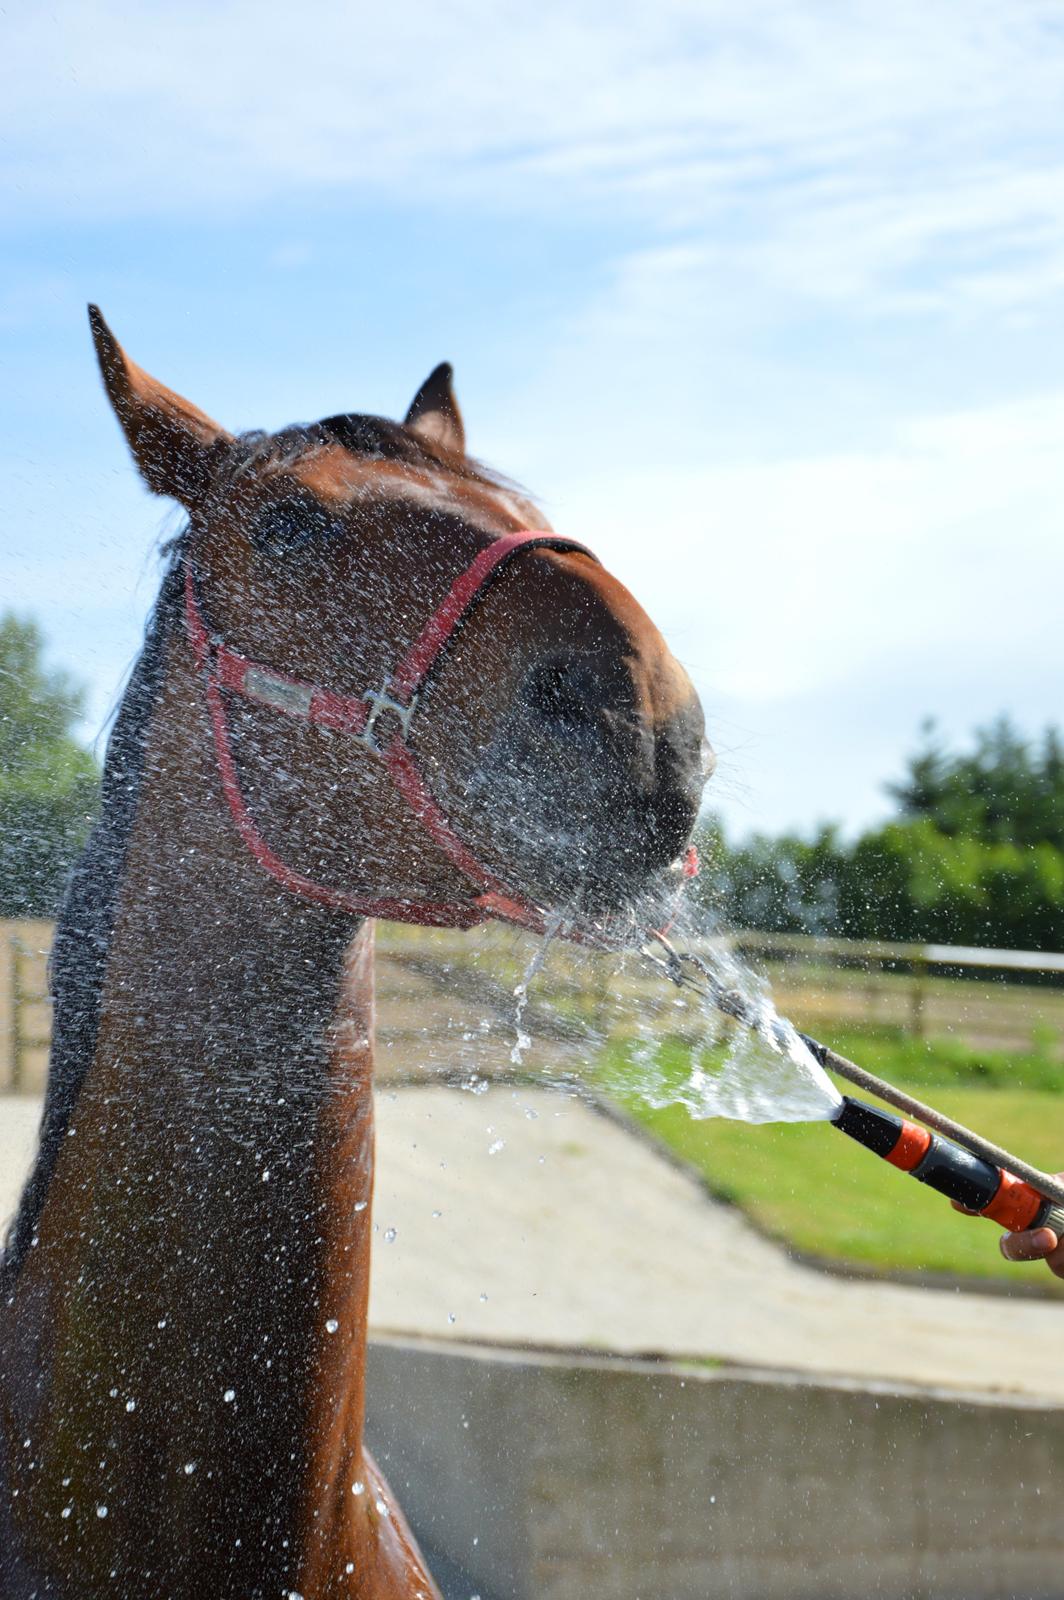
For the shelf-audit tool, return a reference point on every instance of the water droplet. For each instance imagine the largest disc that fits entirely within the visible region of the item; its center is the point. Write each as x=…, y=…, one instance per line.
x=332, y=1325
x=360, y=1205
x=101, y=1511
x=190, y=1467
x=450, y=1316
x=131, y=1405
x=265, y=1174
x=230, y=1394
x=381, y=1507
x=161, y=1323
x=483, y=1298
x=350, y=1567
x=437, y=1213
x=66, y=1511
x=496, y=1146
x=358, y=1487
x=390, y=1235
x=114, y=1394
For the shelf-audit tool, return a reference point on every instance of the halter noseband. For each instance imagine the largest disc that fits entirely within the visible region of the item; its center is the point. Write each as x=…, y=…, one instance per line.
x=359, y=717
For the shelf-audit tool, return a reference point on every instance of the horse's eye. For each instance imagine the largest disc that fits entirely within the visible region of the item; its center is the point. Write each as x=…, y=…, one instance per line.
x=280, y=530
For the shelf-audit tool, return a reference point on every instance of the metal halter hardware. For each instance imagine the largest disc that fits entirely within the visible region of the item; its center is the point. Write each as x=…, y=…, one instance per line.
x=379, y=701
x=227, y=671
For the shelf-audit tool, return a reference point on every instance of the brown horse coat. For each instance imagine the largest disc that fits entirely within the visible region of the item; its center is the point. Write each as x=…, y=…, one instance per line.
x=184, y=1291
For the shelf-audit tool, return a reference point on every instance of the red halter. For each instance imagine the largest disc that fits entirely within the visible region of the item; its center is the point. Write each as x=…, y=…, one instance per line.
x=358, y=716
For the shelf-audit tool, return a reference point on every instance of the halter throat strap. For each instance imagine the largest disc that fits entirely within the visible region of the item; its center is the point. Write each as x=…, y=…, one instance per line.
x=364, y=718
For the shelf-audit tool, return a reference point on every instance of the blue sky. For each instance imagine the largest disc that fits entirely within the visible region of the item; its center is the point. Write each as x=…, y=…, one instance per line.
x=764, y=301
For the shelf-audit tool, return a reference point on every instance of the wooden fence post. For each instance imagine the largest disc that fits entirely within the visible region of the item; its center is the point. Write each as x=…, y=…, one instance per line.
x=917, y=1018
x=18, y=1043
x=24, y=994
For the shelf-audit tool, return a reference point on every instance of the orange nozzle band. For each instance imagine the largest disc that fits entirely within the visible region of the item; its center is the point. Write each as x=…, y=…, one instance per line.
x=1015, y=1205
x=911, y=1148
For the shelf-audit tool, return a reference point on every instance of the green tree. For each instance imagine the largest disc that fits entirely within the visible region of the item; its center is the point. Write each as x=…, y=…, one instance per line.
x=1007, y=790
x=789, y=884
x=975, y=855
x=49, y=784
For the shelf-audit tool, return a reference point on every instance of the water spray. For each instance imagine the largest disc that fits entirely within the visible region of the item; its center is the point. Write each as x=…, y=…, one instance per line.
x=979, y=1175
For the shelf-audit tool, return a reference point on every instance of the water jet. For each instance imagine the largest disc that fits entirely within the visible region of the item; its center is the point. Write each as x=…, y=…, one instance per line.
x=967, y=1168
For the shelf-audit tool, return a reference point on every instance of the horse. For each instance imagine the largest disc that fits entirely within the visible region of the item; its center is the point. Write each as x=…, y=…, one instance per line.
x=375, y=683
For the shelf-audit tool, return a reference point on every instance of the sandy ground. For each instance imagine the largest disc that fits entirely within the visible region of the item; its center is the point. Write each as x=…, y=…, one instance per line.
x=527, y=1218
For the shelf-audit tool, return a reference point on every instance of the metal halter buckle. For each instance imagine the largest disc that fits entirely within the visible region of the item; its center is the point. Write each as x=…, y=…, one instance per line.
x=379, y=701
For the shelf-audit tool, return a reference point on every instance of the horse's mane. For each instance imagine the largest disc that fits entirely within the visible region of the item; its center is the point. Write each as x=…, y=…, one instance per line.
x=86, y=919
x=375, y=438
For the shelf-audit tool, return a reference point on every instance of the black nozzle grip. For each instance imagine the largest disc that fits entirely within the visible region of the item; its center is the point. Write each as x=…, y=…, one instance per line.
x=877, y=1130
x=927, y=1157
x=958, y=1174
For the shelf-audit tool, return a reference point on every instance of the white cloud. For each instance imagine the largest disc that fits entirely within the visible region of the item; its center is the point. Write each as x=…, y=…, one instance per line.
x=777, y=579
x=825, y=603
x=847, y=145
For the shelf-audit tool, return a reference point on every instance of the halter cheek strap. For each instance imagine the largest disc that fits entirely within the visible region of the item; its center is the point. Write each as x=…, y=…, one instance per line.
x=359, y=717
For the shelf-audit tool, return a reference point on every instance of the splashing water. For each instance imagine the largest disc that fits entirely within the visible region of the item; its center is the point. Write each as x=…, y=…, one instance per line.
x=768, y=1073
x=711, y=1041
x=607, y=1018
x=523, y=1040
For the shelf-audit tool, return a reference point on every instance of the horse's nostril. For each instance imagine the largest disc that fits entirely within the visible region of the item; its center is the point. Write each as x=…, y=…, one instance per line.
x=563, y=694
x=551, y=694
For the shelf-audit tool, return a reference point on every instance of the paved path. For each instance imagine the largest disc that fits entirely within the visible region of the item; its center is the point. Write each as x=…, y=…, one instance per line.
x=527, y=1218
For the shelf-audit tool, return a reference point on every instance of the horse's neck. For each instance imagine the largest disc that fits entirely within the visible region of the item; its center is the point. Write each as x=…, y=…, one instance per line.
x=194, y=1306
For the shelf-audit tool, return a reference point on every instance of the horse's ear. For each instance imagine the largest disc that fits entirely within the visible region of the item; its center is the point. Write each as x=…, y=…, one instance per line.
x=170, y=438
x=434, y=412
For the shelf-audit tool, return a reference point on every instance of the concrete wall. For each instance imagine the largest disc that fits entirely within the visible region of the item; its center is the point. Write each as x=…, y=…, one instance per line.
x=536, y=1477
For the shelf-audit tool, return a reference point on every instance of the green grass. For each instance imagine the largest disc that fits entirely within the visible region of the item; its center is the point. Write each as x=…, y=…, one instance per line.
x=814, y=1189
x=918, y=1063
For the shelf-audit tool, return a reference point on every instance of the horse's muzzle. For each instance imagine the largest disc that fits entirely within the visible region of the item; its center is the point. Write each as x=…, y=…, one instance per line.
x=587, y=806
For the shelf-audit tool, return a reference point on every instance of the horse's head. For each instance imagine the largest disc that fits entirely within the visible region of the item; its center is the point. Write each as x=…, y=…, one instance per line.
x=560, y=741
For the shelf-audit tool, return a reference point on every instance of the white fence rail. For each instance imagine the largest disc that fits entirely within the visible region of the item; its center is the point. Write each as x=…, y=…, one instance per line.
x=881, y=953
x=916, y=985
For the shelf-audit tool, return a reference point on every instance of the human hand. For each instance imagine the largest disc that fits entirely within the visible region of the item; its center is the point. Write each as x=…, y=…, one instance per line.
x=1033, y=1244
x=1036, y=1244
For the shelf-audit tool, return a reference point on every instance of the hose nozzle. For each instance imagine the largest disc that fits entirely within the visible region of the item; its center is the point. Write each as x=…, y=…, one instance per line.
x=973, y=1183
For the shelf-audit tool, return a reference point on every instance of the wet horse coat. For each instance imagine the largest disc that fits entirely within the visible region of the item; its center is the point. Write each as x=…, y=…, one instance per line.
x=184, y=1291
